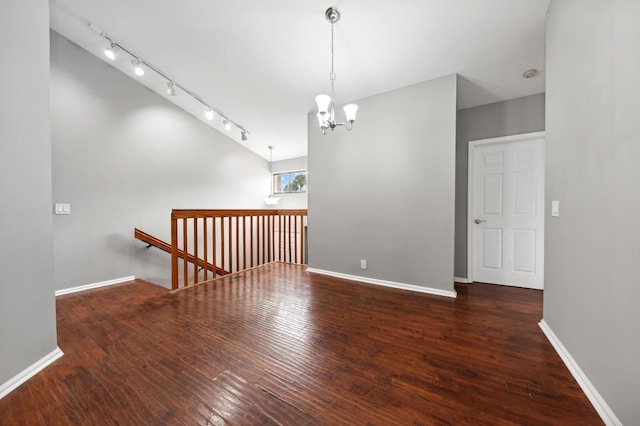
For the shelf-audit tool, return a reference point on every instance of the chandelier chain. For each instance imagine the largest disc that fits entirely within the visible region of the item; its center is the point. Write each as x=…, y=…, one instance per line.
x=332, y=76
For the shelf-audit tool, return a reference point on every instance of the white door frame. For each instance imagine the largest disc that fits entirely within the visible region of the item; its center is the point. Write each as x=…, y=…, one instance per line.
x=470, y=172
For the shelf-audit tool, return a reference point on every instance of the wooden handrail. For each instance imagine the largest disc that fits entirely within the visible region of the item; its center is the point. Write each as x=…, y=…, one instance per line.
x=236, y=240
x=200, y=213
x=164, y=246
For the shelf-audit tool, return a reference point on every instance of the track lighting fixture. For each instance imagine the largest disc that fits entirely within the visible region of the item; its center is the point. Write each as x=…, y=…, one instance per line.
x=110, y=52
x=137, y=67
x=171, y=88
x=140, y=65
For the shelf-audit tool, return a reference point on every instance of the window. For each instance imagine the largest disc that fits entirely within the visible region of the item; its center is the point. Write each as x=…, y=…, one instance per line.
x=290, y=182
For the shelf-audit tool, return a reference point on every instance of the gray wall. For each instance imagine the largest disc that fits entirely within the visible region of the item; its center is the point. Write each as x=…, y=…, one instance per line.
x=385, y=190
x=27, y=304
x=593, y=168
x=512, y=117
x=123, y=157
x=297, y=200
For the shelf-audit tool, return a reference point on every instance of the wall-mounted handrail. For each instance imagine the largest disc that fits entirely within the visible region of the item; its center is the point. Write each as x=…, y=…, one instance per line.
x=233, y=240
x=164, y=246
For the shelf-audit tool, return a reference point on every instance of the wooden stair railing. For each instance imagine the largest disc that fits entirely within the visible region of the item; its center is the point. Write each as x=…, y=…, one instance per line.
x=236, y=240
x=164, y=246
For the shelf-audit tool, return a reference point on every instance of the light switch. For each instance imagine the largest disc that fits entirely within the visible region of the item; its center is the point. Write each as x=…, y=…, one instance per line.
x=555, y=208
x=63, y=209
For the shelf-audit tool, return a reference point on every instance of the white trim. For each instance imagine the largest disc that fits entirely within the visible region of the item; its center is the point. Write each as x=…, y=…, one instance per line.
x=94, y=285
x=402, y=286
x=598, y=402
x=10, y=385
x=510, y=138
x=471, y=146
x=462, y=280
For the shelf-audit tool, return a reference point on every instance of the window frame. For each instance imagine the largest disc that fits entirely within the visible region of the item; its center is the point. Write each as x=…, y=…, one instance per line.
x=287, y=172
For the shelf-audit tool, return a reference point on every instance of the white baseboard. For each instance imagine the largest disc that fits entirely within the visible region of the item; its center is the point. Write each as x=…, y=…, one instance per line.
x=607, y=415
x=94, y=285
x=402, y=286
x=29, y=372
x=462, y=280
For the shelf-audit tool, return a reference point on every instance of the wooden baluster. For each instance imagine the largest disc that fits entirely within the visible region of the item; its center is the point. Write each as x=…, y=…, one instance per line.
x=195, y=250
x=302, y=240
x=272, y=231
x=214, y=242
x=260, y=248
x=258, y=242
x=237, y=243
x=244, y=242
x=205, y=253
x=230, y=244
x=289, y=240
x=264, y=240
x=280, y=237
x=295, y=239
x=269, y=244
x=174, y=252
x=222, y=265
x=185, y=265
x=252, y=237
x=283, y=237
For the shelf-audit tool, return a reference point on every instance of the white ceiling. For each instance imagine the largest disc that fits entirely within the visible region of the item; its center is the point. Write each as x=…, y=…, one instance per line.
x=263, y=62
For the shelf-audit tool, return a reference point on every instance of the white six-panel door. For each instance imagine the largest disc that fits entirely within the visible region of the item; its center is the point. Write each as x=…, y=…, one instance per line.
x=506, y=210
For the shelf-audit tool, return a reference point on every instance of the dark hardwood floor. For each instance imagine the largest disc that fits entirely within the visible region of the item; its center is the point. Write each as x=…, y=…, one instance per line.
x=278, y=345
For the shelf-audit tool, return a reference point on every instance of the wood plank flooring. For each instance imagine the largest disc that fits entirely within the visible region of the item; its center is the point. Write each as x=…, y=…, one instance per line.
x=280, y=346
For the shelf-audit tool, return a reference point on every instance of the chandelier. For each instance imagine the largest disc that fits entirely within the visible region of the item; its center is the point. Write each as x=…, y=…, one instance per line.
x=326, y=103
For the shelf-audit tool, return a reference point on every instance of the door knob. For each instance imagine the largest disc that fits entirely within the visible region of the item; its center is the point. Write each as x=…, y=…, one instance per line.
x=479, y=221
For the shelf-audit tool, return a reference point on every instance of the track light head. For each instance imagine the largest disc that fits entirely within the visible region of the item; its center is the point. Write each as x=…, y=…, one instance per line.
x=227, y=125
x=171, y=88
x=110, y=52
x=244, y=135
x=209, y=114
x=137, y=67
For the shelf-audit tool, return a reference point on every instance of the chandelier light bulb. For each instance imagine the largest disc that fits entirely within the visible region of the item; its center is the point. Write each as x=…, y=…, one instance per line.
x=350, y=112
x=323, y=102
x=321, y=120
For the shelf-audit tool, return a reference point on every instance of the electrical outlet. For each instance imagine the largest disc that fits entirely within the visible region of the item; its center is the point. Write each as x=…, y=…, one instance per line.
x=63, y=209
x=555, y=208
x=363, y=263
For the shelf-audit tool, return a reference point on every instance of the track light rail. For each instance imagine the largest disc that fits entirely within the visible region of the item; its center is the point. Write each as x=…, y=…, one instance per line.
x=173, y=82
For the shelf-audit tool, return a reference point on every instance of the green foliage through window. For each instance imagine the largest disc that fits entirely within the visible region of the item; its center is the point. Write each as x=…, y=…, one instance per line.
x=290, y=182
